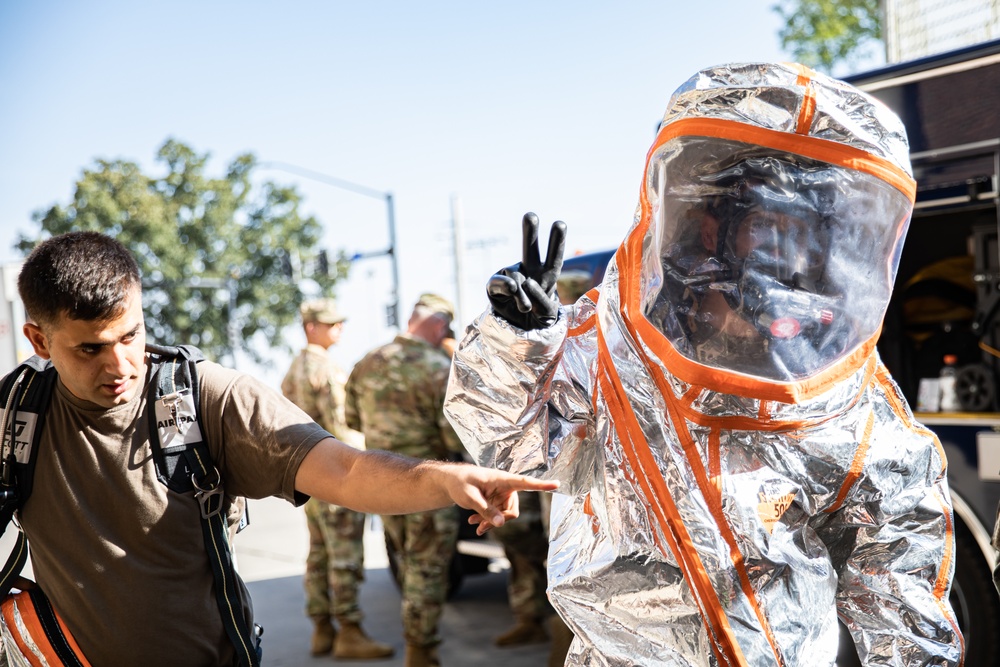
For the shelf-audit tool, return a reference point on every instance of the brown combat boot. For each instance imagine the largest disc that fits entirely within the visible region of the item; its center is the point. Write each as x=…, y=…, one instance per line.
x=323, y=635
x=352, y=642
x=421, y=656
x=527, y=630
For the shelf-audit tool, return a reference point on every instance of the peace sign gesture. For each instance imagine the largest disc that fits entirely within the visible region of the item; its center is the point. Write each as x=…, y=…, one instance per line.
x=525, y=294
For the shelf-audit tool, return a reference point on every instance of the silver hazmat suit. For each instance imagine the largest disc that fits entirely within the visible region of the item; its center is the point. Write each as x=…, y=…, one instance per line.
x=738, y=467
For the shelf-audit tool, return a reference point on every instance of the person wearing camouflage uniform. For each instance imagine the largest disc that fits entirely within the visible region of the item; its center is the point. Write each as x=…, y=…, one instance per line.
x=395, y=396
x=526, y=545
x=335, y=563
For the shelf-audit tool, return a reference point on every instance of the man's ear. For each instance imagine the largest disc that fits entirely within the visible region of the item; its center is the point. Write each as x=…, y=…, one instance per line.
x=37, y=338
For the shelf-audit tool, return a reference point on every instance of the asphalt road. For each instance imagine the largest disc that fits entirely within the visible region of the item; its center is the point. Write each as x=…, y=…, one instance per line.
x=271, y=558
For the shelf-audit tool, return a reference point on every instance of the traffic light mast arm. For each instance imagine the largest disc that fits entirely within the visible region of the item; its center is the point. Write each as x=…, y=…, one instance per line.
x=367, y=192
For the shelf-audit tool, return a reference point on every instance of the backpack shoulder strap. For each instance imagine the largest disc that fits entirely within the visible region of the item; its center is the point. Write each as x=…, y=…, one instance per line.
x=173, y=409
x=184, y=463
x=25, y=394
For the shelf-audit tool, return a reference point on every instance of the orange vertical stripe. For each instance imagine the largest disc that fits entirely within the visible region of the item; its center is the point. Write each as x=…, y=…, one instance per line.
x=901, y=411
x=941, y=585
x=807, y=111
x=857, y=465
x=804, y=74
x=668, y=517
x=690, y=450
x=629, y=258
x=666, y=527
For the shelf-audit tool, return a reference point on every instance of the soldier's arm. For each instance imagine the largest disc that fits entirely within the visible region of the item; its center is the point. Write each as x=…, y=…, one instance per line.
x=287, y=383
x=436, y=393
x=333, y=404
x=380, y=482
x=351, y=414
x=326, y=405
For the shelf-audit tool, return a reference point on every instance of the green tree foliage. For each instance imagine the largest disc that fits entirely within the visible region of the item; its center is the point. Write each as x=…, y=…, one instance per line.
x=197, y=238
x=825, y=33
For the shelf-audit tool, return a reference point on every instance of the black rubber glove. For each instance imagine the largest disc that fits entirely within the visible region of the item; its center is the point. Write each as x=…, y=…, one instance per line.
x=525, y=294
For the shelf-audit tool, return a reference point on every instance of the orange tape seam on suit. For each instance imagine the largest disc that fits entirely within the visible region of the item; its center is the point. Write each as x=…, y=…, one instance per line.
x=665, y=513
x=708, y=488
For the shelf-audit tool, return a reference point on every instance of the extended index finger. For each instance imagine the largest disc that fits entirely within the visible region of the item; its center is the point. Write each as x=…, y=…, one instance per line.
x=529, y=240
x=512, y=482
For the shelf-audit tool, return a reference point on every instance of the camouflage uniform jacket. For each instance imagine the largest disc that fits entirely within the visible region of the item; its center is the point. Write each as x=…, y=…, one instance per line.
x=395, y=396
x=315, y=383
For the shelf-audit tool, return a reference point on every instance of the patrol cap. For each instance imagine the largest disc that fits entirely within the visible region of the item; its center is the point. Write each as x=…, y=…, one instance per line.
x=432, y=303
x=323, y=311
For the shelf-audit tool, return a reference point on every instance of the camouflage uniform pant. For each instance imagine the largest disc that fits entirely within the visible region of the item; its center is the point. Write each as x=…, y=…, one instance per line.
x=526, y=544
x=425, y=542
x=335, y=565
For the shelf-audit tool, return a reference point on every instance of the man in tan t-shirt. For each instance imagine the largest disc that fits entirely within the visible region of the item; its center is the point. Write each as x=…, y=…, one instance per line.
x=120, y=555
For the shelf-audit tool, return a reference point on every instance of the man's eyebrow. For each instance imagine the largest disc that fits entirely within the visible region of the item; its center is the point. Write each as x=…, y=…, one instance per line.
x=91, y=345
x=135, y=330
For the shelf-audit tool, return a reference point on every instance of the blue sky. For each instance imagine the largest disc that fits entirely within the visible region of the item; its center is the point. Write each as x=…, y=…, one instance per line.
x=504, y=107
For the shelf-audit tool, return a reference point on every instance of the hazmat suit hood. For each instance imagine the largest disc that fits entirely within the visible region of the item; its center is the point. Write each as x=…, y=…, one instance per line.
x=771, y=217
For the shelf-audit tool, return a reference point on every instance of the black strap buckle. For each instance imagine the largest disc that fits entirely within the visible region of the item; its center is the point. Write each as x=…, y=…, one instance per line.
x=204, y=495
x=8, y=494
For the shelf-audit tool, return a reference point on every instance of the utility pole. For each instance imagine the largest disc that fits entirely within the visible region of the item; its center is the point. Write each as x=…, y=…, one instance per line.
x=458, y=244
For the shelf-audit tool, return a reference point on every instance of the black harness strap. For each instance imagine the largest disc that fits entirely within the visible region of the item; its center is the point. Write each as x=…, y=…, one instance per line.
x=185, y=463
x=53, y=632
x=25, y=396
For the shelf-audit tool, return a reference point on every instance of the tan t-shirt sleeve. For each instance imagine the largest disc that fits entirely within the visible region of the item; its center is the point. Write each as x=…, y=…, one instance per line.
x=258, y=438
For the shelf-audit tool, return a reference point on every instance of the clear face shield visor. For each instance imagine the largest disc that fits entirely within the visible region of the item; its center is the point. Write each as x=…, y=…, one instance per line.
x=772, y=264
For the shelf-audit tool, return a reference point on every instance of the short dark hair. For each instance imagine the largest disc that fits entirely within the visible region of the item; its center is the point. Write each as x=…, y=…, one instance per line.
x=82, y=275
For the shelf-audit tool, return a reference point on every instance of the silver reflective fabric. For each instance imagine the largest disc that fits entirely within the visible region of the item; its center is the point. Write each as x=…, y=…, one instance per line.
x=709, y=514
